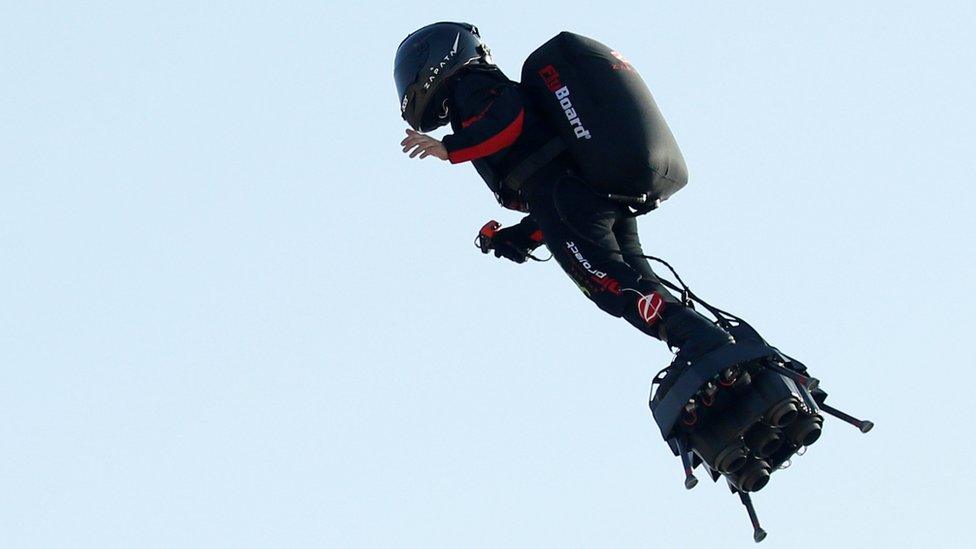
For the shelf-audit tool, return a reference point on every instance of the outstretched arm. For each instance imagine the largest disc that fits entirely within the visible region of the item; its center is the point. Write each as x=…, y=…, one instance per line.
x=497, y=124
x=424, y=145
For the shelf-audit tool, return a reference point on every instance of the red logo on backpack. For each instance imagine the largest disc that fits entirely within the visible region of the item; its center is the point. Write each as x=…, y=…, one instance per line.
x=623, y=65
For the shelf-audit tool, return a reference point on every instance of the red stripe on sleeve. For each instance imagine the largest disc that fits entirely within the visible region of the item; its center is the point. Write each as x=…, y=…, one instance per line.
x=476, y=118
x=480, y=115
x=491, y=145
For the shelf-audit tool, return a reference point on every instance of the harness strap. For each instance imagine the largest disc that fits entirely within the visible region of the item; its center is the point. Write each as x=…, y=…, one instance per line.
x=533, y=163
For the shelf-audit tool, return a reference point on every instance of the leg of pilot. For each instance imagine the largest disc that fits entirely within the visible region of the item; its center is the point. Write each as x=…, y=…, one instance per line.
x=683, y=327
x=584, y=231
x=625, y=231
x=578, y=229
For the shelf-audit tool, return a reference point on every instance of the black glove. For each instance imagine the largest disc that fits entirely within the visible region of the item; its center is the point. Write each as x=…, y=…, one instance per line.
x=514, y=243
x=509, y=243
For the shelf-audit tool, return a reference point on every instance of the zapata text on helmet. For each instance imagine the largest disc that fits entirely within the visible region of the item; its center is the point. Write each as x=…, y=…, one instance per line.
x=434, y=71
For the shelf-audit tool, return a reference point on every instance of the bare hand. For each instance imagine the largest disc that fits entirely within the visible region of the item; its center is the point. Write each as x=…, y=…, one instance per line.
x=423, y=145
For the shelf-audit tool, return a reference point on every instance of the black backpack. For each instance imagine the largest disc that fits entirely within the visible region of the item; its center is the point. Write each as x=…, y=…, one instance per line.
x=597, y=103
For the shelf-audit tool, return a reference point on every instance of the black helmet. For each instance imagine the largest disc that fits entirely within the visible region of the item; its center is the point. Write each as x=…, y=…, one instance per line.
x=425, y=61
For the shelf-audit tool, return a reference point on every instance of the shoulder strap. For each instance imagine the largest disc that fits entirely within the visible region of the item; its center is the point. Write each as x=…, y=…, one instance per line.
x=524, y=170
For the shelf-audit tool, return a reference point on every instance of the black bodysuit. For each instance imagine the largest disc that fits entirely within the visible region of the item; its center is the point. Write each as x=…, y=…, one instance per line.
x=592, y=238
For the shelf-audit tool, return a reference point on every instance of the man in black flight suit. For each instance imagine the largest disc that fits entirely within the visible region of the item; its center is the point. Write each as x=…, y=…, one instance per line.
x=444, y=74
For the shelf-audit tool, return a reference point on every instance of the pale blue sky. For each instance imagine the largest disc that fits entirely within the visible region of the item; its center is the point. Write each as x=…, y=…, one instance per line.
x=232, y=314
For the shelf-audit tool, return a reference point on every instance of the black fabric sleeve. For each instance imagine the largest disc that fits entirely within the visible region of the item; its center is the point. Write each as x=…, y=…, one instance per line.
x=491, y=118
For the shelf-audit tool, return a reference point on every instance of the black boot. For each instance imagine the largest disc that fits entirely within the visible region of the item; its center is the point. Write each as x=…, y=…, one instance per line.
x=693, y=335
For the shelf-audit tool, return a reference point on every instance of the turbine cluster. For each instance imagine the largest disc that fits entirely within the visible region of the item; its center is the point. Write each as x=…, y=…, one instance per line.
x=749, y=420
x=742, y=411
